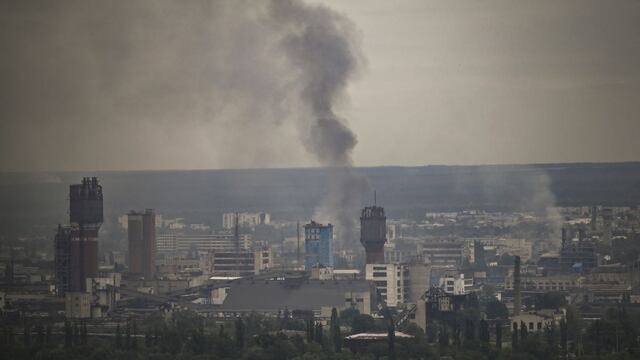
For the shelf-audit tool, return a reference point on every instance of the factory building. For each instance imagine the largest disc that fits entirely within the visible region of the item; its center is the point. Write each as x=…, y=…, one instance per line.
x=391, y=282
x=241, y=263
x=76, y=245
x=446, y=252
x=373, y=233
x=318, y=245
x=142, y=243
x=577, y=255
x=298, y=295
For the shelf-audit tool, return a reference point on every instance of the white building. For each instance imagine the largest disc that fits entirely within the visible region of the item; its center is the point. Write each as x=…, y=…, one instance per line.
x=456, y=285
x=172, y=242
x=391, y=281
x=537, y=321
x=245, y=219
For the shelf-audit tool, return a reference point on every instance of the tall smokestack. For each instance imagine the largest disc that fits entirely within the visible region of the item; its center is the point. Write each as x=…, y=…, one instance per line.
x=517, y=300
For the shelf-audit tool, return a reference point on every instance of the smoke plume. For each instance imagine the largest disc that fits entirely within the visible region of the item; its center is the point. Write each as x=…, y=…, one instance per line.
x=322, y=46
x=122, y=85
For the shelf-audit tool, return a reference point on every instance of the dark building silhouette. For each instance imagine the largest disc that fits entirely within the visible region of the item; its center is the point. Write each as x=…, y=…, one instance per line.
x=479, y=255
x=577, y=256
x=76, y=245
x=142, y=243
x=373, y=233
x=517, y=294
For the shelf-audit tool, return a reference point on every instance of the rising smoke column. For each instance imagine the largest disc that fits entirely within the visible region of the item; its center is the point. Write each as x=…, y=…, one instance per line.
x=323, y=48
x=240, y=81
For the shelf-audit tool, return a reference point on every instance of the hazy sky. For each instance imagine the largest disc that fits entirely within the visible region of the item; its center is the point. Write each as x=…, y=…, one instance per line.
x=163, y=85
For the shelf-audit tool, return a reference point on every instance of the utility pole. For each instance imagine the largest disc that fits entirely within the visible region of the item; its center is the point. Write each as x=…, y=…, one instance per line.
x=236, y=231
x=298, y=249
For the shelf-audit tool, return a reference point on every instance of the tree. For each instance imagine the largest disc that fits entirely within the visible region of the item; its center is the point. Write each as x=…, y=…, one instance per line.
x=156, y=336
x=443, y=337
x=523, y=331
x=26, y=336
x=40, y=335
x=310, y=330
x=118, y=337
x=240, y=333
x=127, y=335
x=347, y=314
x=68, y=334
x=469, y=331
x=286, y=318
x=456, y=333
x=319, y=334
x=84, y=333
x=10, y=337
x=391, y=335
x=47, y=336
x=550, y=300
x=514, y=337
x=550, y=334
x=334, y=331
x=498, y=336
x=496, y=310
x=362, y=323
x=134, y=340
x=484, y=331
x=76, y=334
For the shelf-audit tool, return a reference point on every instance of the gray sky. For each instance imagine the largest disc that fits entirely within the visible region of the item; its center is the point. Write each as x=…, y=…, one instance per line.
x=161, y=85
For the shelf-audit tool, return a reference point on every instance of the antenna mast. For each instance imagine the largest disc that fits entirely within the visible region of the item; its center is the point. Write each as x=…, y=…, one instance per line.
x=298, y=249
x=236, y=232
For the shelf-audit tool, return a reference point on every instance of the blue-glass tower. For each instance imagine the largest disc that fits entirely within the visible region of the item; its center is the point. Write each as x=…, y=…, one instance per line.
x=318, y=245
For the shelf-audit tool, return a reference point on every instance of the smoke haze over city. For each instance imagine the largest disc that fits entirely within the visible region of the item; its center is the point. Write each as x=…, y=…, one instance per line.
x=181, y=85
x=319, y=179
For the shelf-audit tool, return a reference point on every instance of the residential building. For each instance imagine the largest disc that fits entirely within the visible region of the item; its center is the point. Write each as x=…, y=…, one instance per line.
x=318, y=245
x=142, y=243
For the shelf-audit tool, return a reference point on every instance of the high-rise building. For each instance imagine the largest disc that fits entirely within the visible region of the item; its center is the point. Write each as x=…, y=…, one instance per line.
x=76, y=246
x=318, y=245
x=142, y=243
x=373, y=233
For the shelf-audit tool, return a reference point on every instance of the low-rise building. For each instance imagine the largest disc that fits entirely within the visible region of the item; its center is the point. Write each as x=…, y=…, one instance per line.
x=391, y=281
x=538, y=320
x=456, y=285
x=297, y=294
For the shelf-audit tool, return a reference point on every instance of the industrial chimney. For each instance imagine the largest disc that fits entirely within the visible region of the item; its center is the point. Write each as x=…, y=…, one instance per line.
x=517, y=297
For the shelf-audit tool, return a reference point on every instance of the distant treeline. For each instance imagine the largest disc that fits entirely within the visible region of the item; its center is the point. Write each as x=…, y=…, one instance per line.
x=29, y=202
